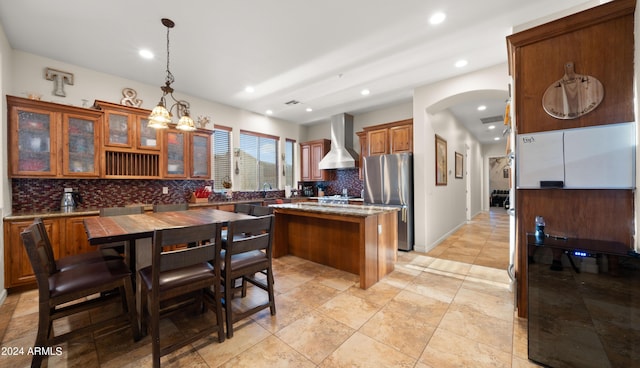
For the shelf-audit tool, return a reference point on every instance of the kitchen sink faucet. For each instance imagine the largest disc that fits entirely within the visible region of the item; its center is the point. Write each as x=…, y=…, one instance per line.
x=264, y=190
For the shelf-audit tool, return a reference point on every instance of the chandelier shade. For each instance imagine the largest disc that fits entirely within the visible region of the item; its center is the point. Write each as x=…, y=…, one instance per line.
x=160, y=116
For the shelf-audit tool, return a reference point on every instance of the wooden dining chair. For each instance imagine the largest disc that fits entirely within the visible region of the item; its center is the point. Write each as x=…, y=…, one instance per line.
x=65, y=292
x=75, y=260
x=261, y=210
x=170, y=207
x=242, y=208
x=176, y=273
x=245, y=255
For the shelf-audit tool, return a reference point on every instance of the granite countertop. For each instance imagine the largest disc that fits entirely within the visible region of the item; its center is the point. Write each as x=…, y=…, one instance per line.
x=336, y=209
x=96, y=211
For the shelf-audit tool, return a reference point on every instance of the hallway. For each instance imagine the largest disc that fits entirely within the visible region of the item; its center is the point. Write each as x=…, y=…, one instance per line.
x=448, y=308
x=483, y=242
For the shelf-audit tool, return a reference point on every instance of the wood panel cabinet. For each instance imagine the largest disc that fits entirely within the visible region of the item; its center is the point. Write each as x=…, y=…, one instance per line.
x=310, y=155
x=75, y=237
x=396, y=137
x=67, y=236
x=364, y=151
x=17, y=267
x=536, y=60
x=126, y=128
x=130, y=148
x=401, y=139
x=378, y=141
x=52, y=140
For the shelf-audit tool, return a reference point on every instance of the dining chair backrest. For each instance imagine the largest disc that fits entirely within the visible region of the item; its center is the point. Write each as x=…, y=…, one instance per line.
x=117, y=211
x=242, y=208
x=249, y=235
x=47, y=249
x=170, y=207
x=261, y=210
x=173, y=259
x=38, y=247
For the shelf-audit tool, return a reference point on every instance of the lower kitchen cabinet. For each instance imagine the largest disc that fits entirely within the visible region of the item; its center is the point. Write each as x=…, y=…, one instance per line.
x=17, y=268
x=67, y=236
x=75, y=237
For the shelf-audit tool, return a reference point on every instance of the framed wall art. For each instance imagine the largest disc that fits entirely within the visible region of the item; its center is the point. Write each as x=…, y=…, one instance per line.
x=441, y=161
x=459, y=165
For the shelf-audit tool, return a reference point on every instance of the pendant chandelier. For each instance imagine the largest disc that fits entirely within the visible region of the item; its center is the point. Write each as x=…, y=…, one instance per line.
x=161, y=116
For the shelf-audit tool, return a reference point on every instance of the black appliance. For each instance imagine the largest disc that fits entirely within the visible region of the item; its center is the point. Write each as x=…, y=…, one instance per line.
x=586, y=312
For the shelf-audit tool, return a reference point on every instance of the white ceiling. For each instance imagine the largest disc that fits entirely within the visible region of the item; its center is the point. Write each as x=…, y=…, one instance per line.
x=321, y=53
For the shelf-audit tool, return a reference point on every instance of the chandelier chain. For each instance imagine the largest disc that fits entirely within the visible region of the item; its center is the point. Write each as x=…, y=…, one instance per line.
x=169, y=79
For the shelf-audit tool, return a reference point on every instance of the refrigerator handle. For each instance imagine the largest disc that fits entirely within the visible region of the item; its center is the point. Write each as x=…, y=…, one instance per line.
x=404, y=214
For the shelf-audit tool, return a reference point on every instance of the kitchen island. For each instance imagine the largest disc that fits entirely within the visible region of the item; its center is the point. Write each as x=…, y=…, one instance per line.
x=358, y=239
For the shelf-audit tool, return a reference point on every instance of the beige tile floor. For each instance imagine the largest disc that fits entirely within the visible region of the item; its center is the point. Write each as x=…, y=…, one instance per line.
x=451, y=307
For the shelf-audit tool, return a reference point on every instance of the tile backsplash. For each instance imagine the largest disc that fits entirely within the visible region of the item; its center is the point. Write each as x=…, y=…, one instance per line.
x=43, y=195
x=344, y=179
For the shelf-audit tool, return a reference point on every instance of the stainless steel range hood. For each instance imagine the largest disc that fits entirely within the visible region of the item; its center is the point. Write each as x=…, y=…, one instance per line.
x=341, y=155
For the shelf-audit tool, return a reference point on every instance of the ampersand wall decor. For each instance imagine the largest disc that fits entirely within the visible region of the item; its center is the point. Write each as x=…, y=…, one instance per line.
x=130, y=98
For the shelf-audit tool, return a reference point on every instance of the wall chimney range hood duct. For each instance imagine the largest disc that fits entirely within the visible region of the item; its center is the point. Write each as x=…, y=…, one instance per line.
x=341, y=155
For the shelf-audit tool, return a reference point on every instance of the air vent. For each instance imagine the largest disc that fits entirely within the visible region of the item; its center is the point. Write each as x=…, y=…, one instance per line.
x=292, y=102
x=492, y=119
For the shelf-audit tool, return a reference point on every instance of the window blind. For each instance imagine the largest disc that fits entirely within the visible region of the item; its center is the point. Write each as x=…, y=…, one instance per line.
x=258, y=161
x=222, y=156
x=289, y=146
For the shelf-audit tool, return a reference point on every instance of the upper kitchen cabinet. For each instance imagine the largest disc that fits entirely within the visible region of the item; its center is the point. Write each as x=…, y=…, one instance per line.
x=187, y=154
x=200, y=150
x=364, y=150
x=310, y=155
x=176, y=163
x=52, y=140
x=80, y=144
x=396, y=137
x=125, y=127
x=401, y=138
x=131, y=149
x=378, y=141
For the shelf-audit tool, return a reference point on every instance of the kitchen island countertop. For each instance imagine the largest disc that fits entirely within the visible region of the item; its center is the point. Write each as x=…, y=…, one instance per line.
x=335, y=209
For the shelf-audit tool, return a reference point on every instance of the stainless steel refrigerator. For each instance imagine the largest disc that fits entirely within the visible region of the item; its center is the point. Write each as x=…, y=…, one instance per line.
x=388, y=181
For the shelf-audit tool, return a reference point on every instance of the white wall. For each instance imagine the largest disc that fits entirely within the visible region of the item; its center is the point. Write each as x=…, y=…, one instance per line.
x=89, y=85
x=437, y=213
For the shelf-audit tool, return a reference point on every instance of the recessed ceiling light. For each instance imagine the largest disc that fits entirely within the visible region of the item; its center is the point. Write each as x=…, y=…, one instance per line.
x=460, y=63
x=309, y=109
x=269, y=112
x=145, y=54
x=482, y=108
x=437, y=18
x=496, y=138
x=249, y=89
x=365, y=92
x=492, y=127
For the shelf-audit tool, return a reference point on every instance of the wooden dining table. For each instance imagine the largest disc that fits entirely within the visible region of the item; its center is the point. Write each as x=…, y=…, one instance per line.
x=110, y=229
x=138, y=229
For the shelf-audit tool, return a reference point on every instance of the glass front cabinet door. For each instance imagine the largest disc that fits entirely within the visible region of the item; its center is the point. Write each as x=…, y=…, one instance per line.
x=79, y=150
x=34, y=152
x=117, y=130
x=200, y=155
x=148, y=138
x=176, y=153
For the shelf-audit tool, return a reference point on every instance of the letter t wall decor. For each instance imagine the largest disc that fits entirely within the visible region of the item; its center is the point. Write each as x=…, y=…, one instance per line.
x=59, y=79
